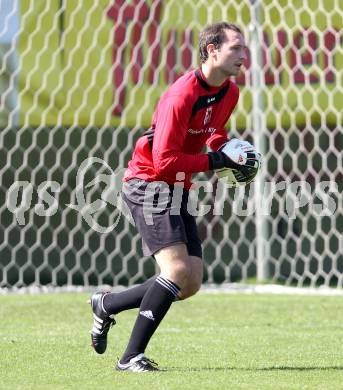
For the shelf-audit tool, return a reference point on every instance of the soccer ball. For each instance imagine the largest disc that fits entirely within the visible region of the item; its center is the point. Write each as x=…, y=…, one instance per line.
x=242, y=153
x=227, y=176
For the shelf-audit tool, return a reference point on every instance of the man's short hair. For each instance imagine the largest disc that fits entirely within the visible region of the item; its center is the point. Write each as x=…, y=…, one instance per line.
x=215, y=34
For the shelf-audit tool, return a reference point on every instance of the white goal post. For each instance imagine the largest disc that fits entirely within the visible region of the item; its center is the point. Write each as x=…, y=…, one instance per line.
x=78, y=85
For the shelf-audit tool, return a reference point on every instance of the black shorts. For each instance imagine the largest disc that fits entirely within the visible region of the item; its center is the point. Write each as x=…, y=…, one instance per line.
x=161, y=216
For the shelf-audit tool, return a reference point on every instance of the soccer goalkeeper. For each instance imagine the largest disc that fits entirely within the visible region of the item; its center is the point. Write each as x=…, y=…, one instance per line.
x=190, y=114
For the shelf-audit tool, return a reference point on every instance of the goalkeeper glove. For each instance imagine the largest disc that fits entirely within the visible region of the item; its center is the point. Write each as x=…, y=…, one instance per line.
x=238, y=155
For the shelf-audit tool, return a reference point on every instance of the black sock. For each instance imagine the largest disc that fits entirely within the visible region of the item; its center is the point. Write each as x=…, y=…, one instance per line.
x=154, y=306
x=131, y=298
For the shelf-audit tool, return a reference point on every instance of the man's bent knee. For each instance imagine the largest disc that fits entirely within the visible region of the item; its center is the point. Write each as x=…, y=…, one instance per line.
x=174, y=264
x=195, y=279
x=178, y=273
x=189, y=290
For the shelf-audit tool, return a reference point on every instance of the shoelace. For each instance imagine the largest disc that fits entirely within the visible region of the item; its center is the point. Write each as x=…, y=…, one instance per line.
x=110, y=323
x=150, y=361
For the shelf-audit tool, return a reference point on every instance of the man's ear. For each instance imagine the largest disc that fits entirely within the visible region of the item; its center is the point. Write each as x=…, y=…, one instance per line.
x=210, y=49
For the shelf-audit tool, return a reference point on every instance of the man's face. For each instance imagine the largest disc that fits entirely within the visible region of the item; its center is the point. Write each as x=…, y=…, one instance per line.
x=231, y=54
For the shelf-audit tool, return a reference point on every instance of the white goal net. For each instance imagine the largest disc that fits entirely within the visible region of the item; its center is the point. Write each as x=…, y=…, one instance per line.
x=79, y=81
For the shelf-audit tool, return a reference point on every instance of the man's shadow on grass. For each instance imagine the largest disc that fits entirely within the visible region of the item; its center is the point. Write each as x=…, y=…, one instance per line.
x=272, y=368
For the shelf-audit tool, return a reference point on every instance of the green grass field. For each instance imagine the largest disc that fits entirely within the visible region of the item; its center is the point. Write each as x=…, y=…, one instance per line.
x=208, y=342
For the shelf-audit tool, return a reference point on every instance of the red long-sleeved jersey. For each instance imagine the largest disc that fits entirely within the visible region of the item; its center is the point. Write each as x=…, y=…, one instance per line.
x=189, y=115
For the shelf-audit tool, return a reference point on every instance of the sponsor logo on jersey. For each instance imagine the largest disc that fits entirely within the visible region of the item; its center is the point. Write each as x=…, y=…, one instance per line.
x=202, y=131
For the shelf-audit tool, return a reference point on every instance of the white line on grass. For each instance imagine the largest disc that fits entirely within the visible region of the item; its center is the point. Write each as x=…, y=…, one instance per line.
x=227, y=288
